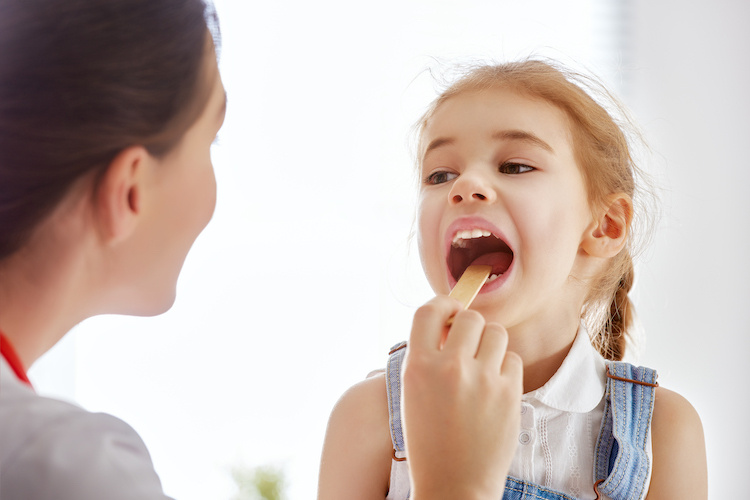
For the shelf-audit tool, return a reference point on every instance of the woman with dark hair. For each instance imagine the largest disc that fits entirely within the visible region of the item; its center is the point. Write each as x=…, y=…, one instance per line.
x=108, y=109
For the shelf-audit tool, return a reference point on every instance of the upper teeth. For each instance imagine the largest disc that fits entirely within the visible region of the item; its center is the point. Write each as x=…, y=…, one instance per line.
x=459, y=239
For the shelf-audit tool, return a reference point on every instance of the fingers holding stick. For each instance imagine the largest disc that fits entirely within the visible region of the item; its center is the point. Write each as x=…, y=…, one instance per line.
x=430, y=324
x=461, y=397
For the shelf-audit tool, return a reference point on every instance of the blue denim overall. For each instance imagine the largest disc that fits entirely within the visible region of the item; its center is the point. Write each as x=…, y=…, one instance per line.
x=621, y=464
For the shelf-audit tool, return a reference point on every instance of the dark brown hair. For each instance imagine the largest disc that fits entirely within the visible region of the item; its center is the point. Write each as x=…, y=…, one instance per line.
x=81, y=80
x=603, y=142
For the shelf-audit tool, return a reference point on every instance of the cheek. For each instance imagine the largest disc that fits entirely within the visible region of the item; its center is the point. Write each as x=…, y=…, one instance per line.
x=427, y=225
x=553, y=236
x=429, y=240
x=210, y=192
x=200, y=193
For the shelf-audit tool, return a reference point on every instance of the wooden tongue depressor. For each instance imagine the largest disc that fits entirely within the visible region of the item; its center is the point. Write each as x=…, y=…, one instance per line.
x=469, y=284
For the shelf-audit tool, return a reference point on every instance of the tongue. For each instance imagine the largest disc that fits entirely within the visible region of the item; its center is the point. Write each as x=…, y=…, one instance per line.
x=500, y=261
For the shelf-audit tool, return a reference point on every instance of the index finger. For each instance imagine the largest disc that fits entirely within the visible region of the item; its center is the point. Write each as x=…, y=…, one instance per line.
x=430, y=321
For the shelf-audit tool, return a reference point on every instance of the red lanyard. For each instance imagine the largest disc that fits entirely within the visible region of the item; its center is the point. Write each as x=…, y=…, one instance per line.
x=7, y=351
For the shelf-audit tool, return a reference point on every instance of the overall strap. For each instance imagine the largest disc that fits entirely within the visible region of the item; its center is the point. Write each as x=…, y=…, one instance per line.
x=399, y=485
x=621, y=467
x=393, y=388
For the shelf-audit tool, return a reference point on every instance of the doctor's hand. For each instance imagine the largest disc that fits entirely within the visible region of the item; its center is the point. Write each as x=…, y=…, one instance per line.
x=461, y=404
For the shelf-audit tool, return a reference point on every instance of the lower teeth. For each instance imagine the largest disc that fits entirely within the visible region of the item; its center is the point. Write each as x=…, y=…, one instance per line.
x=493, y=277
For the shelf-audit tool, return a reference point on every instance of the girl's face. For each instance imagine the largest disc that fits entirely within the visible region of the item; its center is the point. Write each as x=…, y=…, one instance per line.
x=500, y=186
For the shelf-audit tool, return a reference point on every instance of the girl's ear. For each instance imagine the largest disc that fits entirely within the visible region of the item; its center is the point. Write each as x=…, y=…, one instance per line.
x=119, y=194
x=608, y=232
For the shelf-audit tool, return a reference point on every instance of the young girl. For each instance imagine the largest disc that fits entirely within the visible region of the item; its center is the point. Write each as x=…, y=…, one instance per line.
x=108, y=109
x=522, y=170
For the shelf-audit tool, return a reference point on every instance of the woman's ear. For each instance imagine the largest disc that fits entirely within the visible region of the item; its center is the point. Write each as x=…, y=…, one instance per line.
x=119, y=194
x=608, y=232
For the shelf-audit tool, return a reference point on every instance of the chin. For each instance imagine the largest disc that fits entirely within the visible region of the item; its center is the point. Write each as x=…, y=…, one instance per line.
x=147, y=305
x=163, y=306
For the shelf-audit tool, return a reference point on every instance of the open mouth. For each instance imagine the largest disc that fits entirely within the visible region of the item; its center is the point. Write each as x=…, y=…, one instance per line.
x=478, y=246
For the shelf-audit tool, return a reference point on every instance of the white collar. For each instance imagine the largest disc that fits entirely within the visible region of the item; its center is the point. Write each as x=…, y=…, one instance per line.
x=579, y=384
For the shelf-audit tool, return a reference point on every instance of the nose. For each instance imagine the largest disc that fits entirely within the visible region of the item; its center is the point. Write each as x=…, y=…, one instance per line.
x=471, y=187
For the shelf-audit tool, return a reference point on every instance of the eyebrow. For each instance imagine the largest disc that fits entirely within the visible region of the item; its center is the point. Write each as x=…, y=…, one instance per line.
x=508, y=135
x=437, y=143
x=522, y=136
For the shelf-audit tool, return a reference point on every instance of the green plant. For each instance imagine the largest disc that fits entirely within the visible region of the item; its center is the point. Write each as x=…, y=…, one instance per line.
x=259, y=483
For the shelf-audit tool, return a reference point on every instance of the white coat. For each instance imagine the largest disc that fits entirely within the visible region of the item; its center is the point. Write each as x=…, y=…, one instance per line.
x=50, y=449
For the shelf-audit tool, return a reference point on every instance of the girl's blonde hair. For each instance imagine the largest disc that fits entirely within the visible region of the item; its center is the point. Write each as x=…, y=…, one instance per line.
x=605, y=156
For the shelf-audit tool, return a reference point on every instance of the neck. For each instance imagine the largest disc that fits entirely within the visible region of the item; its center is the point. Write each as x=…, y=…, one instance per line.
x=45, y=287
x=38, y=303
x=543, y=348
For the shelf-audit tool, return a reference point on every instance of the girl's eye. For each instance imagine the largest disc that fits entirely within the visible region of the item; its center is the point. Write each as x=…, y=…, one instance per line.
x=514, y=168
x=440, y=177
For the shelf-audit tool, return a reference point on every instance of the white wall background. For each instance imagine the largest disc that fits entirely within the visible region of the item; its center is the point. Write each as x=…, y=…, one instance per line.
x=305, y=276
x=690, y=81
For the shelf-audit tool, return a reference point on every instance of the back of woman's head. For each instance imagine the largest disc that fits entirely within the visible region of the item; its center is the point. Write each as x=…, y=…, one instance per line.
x=81, y=80
x=604, y=154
